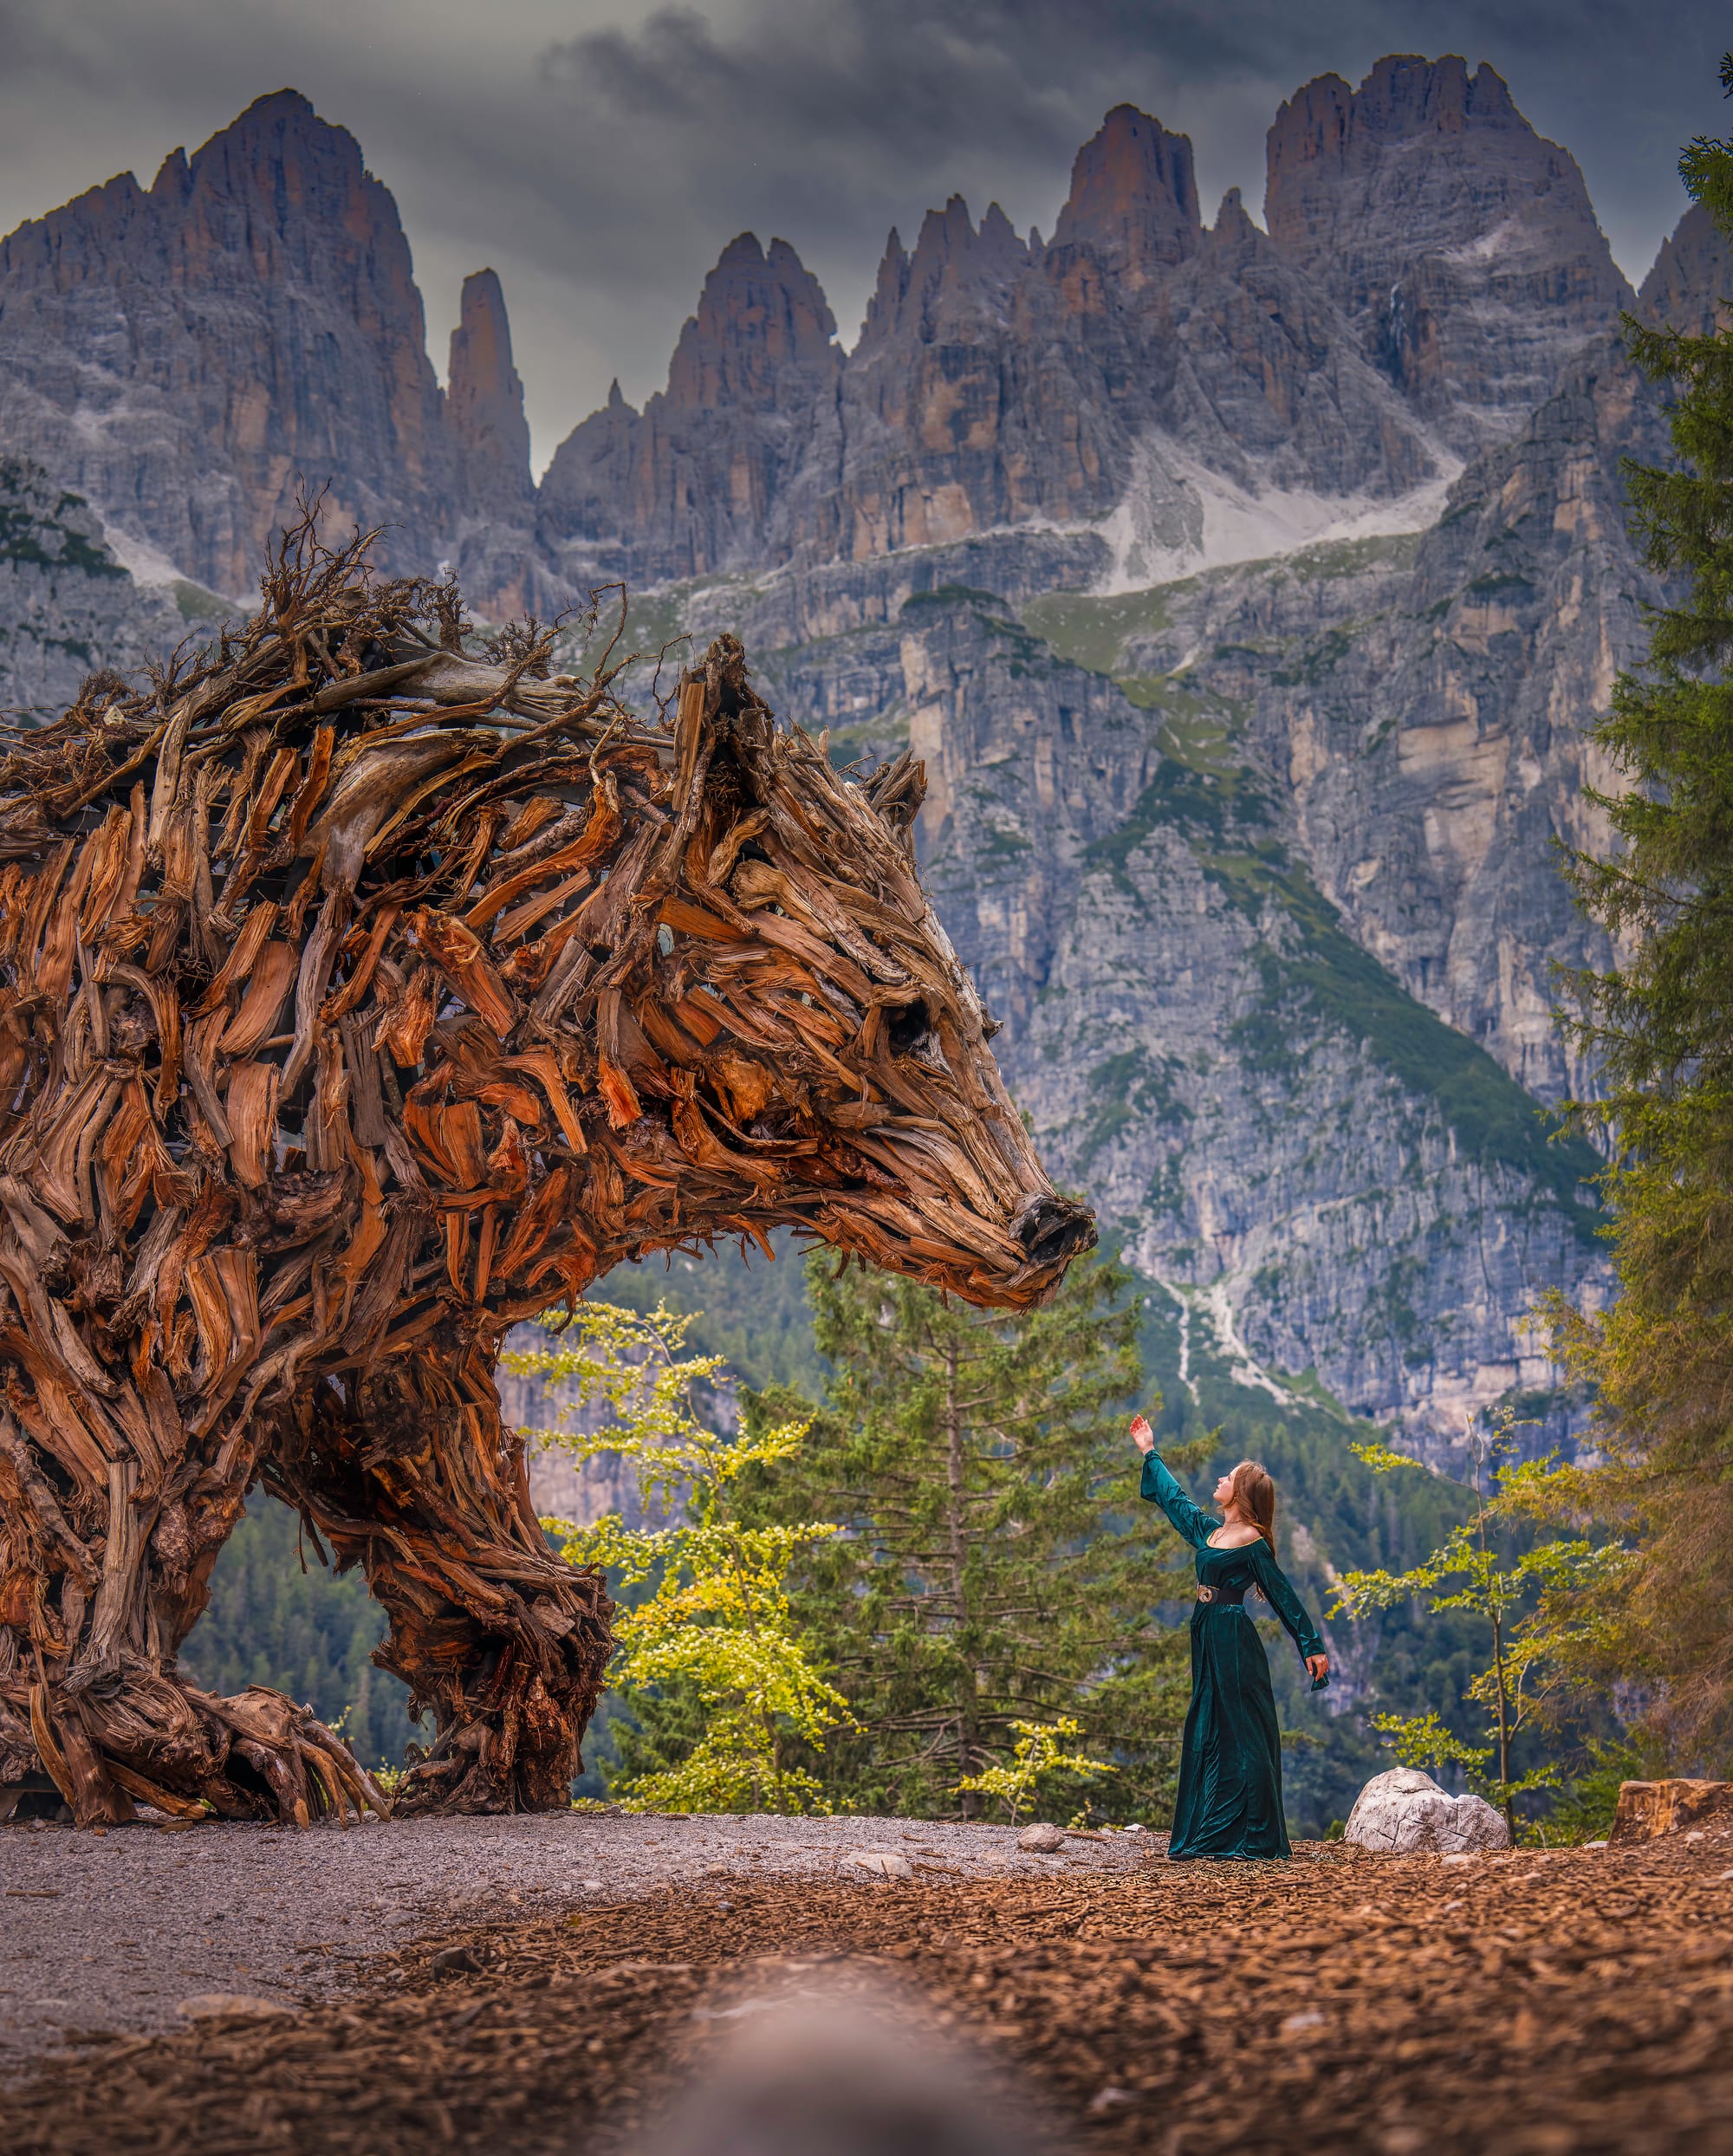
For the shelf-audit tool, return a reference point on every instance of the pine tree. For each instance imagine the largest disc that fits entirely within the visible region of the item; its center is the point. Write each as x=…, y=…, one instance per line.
x=990, y=1574
x=1661, y=1028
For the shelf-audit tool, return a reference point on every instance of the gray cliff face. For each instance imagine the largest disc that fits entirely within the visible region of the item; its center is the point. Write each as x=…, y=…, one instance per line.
x=193, y=358
x=1420, y=708
x=1320, y=1176
x=485, y=405
x=66, y=606
x=1690, y=286
x=490, y=523
x=1459, y=244
x=186, y=358
x=966, y=406
x=691, y=485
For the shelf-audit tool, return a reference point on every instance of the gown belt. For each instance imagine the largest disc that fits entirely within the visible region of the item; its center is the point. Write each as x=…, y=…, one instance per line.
x=1223, y=1594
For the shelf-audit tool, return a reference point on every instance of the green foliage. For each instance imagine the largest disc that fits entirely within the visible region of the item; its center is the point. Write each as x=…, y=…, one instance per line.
x=1382, y=1461
x=1583, y=1805
x=1420, y=1741
x=194, y=603
x=277, y=1617
x=1035, y=1756
x=1659, y=1026
x=1516, y=1593
x=984, y=1579
x=31, y=533
x=717, y=1627
x=740, y=1305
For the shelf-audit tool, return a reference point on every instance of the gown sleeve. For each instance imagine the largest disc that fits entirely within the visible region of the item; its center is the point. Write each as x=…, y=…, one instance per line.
x=1285, y=1602
x=1190, y=1519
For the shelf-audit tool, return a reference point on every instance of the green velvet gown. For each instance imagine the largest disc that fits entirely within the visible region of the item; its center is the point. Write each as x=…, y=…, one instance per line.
x=1230, y=1801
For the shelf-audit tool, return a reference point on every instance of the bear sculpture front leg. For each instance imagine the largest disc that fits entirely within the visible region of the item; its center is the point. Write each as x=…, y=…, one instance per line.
x=104, y=1569
x=405, y=1470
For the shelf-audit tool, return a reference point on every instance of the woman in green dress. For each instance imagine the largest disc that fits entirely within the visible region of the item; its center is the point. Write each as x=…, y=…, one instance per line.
x=1230, y=1802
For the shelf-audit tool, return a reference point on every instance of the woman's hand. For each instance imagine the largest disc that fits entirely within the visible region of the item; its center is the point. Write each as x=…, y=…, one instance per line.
x=1142, y=1436
x=1318, y=1667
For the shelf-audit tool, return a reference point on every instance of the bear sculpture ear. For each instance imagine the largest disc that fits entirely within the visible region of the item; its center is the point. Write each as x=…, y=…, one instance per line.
x=897, y=790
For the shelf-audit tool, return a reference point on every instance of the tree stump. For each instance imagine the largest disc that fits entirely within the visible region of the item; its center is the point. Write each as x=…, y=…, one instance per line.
x=365, y=989
x=1648, y=1810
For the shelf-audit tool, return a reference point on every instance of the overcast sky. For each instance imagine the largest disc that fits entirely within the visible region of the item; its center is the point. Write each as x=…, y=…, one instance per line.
x=600, y=154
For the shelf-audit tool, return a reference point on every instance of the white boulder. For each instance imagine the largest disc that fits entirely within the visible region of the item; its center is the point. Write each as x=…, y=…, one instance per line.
x=1405, y=1811
x=1043, y=1839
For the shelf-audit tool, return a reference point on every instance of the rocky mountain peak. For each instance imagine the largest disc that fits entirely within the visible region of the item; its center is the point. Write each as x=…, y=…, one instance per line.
x=283, y=110
x=956, y=272
x=1234, y=237
x=692, y=483
x=1133, y=197
x=281, y=173
x=1690, y=286
x=1407, y=94
x=763, y=336
x=1459, y=243
x=485, y=403
x=888, y=291
x=1405, y=97
x=194, y=425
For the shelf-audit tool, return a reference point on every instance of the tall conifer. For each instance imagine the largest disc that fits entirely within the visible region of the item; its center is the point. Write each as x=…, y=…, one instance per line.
x=1661, y=1028
x=986, y=1575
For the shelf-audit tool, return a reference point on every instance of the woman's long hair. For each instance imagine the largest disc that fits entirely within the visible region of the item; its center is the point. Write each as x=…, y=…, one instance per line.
x=1254, y=1495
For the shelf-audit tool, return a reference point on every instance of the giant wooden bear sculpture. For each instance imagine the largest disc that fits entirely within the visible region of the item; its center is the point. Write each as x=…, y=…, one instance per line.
x=361, y=994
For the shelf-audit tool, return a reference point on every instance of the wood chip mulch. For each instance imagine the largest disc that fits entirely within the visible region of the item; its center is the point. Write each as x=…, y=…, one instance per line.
x=1557, y=2000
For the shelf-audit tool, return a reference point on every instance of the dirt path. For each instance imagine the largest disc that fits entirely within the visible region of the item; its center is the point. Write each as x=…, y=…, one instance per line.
x=1562, y=2002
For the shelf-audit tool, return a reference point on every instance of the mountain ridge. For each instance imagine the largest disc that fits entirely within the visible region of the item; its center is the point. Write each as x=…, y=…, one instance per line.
x=1140, y=372
x=1248, y=632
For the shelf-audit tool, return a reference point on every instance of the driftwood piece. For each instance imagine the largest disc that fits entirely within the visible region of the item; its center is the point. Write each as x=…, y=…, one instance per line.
x=361, y=994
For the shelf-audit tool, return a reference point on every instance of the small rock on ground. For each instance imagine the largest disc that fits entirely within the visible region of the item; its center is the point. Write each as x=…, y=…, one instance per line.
x=1404, y=1813
x=207, y=2005
x=886, y=1863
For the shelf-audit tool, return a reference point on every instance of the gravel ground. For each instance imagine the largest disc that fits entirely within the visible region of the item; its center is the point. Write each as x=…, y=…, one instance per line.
x=115, y=1930
x=1575, y=2003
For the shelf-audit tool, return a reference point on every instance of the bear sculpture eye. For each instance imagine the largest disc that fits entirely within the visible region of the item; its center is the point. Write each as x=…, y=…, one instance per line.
x=910, y=1031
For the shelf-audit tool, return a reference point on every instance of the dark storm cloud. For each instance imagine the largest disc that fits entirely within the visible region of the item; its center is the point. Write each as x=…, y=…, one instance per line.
x=834, y=112
x=599, y=155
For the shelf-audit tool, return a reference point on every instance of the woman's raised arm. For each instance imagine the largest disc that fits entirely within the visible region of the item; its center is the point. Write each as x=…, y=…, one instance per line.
x=1158, y=1486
